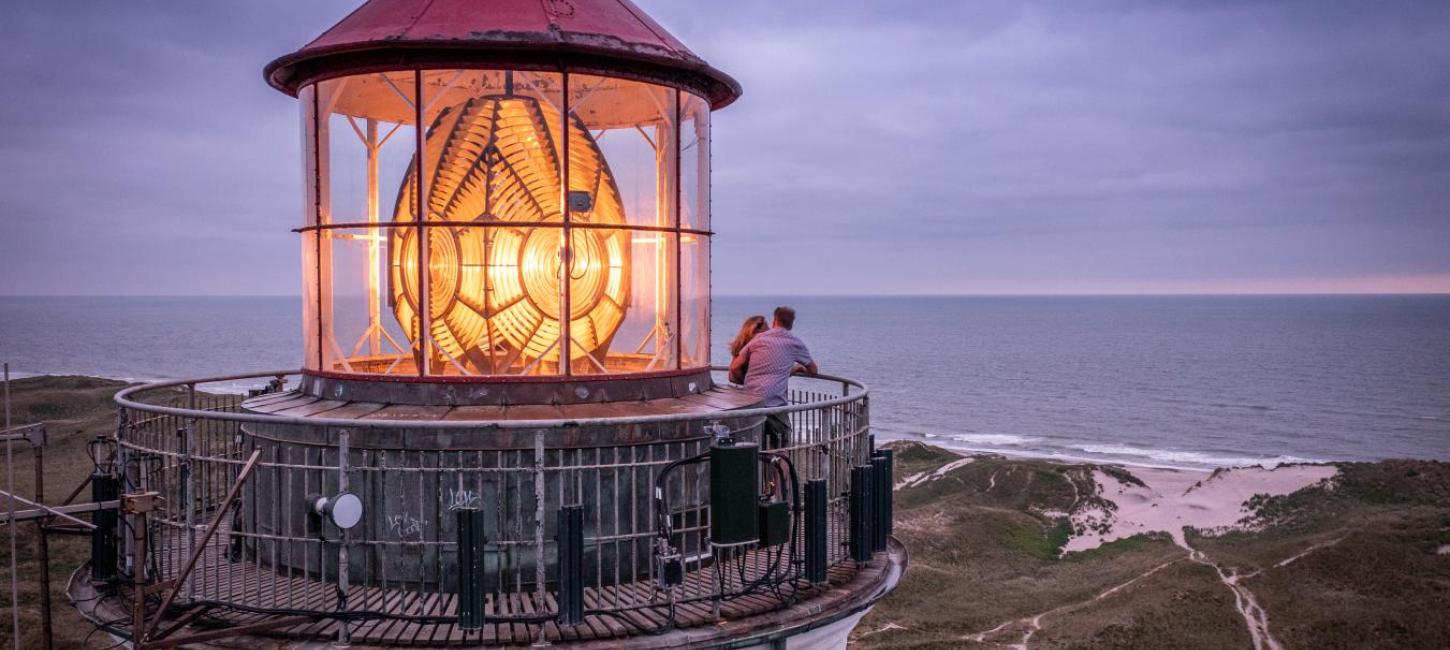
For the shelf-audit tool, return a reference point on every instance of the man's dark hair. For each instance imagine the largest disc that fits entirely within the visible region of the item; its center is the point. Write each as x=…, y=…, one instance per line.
x=785, y=316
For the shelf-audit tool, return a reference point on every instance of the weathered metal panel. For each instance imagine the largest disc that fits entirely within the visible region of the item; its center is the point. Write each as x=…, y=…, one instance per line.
x=616, y=22
x=612, y=32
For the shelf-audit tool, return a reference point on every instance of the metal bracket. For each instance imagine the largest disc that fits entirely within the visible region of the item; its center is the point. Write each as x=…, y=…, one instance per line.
x=142, y=502
x=34, y=434
x=159, y=586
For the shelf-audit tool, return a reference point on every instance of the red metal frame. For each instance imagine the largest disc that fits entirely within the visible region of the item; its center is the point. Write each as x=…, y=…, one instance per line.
x=503, y=379
x=502, y=224
x=611, y=37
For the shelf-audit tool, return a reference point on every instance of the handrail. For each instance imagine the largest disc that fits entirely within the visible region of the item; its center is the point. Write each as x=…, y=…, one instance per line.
x=123, y=398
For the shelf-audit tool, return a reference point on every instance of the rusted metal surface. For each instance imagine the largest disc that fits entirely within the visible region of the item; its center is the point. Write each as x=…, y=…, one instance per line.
x=505, y=390
x=132, y=399
x=609, y=36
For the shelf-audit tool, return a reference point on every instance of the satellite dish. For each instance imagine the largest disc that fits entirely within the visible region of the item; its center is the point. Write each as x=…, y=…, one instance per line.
x=344, y=510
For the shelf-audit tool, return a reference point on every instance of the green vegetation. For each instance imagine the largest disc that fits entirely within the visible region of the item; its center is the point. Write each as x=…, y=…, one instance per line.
x=1365, y=563
x=1033, y=541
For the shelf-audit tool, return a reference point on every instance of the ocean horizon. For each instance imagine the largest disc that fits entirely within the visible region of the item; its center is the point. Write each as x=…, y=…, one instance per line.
x=1182, y=381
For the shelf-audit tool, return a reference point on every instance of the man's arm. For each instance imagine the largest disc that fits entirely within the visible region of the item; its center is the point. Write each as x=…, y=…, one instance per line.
x=804, y=362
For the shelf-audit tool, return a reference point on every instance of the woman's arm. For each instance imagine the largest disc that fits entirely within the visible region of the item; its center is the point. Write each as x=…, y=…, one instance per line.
x=737, y=365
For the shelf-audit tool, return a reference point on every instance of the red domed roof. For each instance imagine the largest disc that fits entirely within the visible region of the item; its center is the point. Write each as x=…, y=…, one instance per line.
x=598, y=36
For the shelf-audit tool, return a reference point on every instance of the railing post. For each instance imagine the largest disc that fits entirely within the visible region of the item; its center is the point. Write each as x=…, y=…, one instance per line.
x=861, y=502
x=571, y=565
x=816, y=535
x=38, y=451
x=344, y=631
x=104, y=548
x=881, y=508
x=471, y=549
x=188, y=487
x=138, y=577
x=539, y=498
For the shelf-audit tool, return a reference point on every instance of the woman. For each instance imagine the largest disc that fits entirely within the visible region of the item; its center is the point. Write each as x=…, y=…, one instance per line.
x=752, y=326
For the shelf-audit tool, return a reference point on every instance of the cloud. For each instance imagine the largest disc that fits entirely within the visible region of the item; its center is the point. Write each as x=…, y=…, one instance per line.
x=880, y=147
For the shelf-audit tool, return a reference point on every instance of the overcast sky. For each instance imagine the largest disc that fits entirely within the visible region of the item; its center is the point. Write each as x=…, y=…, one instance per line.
x=880, y=147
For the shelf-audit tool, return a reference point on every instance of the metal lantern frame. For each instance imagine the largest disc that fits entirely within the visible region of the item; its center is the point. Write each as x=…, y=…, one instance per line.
x=416, y=348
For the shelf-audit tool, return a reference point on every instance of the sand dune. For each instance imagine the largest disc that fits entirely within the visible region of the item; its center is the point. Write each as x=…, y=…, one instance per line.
x=1170, y=500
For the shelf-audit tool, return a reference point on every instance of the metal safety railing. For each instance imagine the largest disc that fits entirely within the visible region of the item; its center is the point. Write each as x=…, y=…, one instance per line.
x=269, y=554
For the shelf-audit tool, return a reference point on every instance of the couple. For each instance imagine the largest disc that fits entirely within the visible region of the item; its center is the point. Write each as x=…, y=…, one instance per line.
x=763, y=360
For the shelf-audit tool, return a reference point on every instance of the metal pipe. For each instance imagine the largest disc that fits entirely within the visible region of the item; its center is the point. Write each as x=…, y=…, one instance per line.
x=566, y=259
x=138, y=577
x=375, y=342
x=679, y=243
x=539, y=498
x=419, y=214
x=188, y=480
x=51, y=511
x=44, y=548
x=317, y=185
x=344, y=631
x=10, y=506
x=13, y=515
x=231, y=632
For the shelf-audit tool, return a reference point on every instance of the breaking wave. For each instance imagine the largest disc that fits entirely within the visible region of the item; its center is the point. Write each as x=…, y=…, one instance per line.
x=1178, y=457
x=1004, y=439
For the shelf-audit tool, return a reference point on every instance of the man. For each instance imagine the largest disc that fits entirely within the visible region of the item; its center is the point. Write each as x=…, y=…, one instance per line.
x=770, y=359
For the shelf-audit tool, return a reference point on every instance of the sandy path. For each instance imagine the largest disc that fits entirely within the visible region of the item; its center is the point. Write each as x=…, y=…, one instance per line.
x=923, y=477
x=1172, y=500
x=1255, y=618
x=1034, y=623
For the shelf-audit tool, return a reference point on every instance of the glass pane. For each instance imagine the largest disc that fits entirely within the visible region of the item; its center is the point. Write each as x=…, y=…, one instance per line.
x=364, y=337
x=367, y=127
x=642, y=314
x=695, y=301
x=492, y=156
x=695, y=163
x=622, y=155
x=484, y=322
x=311, y=352
x=622, y=150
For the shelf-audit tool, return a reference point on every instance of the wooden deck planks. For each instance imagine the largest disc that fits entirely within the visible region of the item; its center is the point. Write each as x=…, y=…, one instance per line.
x=250, y=579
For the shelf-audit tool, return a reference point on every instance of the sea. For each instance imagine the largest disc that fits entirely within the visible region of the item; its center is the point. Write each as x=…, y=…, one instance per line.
x=1168, y=381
